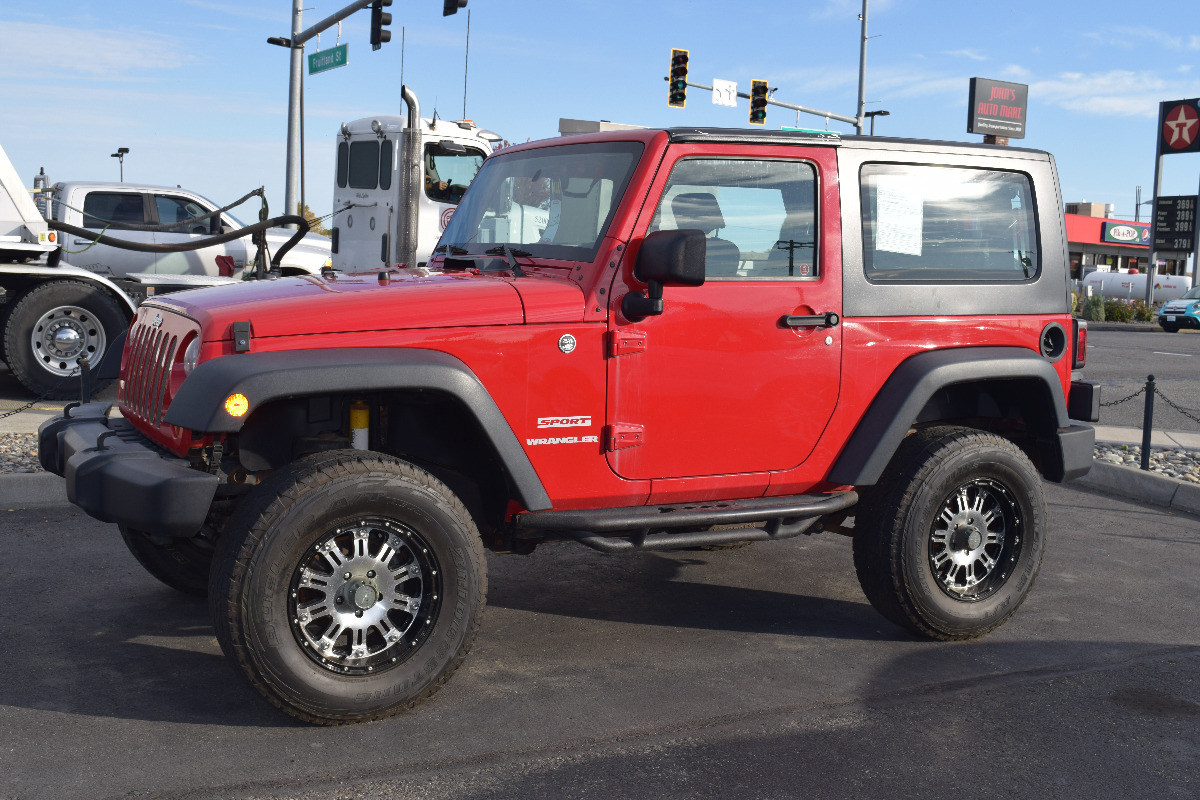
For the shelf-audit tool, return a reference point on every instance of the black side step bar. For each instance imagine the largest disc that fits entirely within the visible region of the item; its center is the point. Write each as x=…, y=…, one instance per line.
x=784, y=517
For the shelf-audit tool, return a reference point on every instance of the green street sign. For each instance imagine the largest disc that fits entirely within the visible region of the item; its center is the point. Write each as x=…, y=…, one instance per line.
x=327, y=59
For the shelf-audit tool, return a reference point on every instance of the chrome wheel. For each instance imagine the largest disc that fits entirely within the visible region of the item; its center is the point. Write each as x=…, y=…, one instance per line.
x=364, y=596
x=62, y=335
x=975, y=540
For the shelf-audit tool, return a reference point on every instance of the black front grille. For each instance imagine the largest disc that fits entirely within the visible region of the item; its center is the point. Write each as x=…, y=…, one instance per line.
x=148, y=371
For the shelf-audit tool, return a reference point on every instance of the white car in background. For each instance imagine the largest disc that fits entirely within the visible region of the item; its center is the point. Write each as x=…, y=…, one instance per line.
x=97, y=206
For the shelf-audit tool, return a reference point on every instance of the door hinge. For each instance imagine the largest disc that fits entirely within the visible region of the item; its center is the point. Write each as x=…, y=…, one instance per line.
x=623, y=434
x=624, y=343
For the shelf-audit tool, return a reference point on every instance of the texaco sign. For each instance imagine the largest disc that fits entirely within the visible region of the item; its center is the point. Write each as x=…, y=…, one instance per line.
x=1181, y=127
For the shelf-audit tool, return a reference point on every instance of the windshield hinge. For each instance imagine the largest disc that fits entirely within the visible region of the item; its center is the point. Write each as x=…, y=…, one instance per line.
x=627, y=342
x=620, y=435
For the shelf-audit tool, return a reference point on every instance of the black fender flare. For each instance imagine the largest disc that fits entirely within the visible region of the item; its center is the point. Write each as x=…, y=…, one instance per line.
x=899, y=402
x=264, y=377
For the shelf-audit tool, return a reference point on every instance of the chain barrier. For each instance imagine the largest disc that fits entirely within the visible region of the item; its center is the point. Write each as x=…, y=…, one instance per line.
x=53, y=389
x=1138, y=393
x=1193, y=415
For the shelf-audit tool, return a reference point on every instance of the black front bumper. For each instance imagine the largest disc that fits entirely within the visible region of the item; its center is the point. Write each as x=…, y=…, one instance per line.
x=1182, y=320
x=116, y=474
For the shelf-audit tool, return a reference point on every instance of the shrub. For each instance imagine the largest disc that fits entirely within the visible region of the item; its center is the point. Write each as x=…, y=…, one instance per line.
x=1142, y=312
x=1093, y=309
x=1074, y=303
x=1117, y=311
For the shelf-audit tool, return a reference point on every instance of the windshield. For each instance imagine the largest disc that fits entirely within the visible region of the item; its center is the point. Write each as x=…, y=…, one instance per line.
x=555, y=202
x=1192, y=294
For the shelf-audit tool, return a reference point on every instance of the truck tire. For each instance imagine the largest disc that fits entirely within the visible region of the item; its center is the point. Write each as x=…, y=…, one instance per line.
x=948, y=544
x=182, y=564
x=50, y=327
x=298, y=596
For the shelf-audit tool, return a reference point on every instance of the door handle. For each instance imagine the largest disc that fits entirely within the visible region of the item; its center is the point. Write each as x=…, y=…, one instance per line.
x=827, y=320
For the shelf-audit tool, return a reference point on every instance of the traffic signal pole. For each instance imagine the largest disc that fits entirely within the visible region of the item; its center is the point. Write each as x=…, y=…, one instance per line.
x=790, y=106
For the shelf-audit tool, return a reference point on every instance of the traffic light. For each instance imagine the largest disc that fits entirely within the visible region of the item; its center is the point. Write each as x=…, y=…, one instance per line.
x=452, y=6
x=380, y=18
x=758, y=102
x=677, y=93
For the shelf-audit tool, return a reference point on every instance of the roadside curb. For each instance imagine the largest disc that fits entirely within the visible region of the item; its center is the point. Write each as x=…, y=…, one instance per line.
x=1147, y=487
x=32, y=490
x=1126, y=327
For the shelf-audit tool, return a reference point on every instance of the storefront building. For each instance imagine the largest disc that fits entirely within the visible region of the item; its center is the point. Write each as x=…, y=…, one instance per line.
x=1097, y=243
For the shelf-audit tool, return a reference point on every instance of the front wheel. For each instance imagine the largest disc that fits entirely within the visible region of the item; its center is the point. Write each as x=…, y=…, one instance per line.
x=1169, y=327
x=949, y=543
x=51, y=328
x=182, y=564
x=348, y=586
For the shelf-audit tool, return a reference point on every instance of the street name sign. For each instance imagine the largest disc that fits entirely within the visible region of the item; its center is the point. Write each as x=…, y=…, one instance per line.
x=332, y=58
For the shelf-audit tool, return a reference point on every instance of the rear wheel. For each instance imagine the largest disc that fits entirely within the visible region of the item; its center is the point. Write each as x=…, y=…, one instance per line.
x=348, y=586
x=51, y=328
x=949, y=543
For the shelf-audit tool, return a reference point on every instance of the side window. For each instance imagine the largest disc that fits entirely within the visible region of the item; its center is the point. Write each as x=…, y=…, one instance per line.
x=759, y=216
x=102, y=208
x=449, y=171
x=930, y=224
x=364, y=164
x=343, y=164
x=385, y=164
x=181, y=210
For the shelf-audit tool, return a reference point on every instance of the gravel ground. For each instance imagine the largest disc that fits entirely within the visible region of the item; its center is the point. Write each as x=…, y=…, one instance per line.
x=18, y=453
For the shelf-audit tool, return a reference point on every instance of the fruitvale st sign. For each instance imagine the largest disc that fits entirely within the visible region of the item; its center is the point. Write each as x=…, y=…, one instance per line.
x=328, y=59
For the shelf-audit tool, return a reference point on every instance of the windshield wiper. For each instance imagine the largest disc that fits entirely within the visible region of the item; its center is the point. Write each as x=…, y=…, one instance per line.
x=510, y=255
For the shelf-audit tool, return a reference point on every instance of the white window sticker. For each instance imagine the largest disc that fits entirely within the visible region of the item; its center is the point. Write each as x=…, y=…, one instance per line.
x=898, y=217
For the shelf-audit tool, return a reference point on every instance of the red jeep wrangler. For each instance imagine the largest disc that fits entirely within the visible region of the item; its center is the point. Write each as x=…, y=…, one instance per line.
x=642, y=340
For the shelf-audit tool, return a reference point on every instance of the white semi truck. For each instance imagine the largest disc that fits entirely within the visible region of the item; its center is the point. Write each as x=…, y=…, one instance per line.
x=393, y=194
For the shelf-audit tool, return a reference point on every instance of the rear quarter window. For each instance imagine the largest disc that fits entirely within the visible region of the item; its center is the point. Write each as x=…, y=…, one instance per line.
x=938, y=224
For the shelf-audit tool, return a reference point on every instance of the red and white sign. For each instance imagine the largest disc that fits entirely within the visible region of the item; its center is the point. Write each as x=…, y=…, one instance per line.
x=444, y=218
x=1181, y=127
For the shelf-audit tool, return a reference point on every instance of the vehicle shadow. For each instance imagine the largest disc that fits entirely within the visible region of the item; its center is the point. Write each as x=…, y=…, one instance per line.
x=149, y=654
x=720, y=590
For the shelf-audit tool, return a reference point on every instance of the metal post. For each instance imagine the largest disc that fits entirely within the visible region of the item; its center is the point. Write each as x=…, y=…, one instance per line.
x=1158, y=164
x=291, y=191
x=862, y=72
x=1148, y=422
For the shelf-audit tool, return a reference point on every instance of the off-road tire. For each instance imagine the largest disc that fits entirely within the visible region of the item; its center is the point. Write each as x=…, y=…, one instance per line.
x=270, y=591
x=913, y=542
x=87, y=310
x=182, y=564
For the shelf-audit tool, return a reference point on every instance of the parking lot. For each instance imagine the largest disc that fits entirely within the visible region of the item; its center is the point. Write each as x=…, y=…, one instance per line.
x=757, y=672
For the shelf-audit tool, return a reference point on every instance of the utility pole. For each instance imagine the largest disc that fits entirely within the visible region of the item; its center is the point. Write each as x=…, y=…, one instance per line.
x=862, y=74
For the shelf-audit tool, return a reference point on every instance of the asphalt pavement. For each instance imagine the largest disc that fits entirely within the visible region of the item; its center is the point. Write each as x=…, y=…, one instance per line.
x=753, y=673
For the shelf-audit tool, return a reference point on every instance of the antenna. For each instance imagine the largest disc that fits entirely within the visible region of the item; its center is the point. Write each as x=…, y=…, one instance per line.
x=466, y=61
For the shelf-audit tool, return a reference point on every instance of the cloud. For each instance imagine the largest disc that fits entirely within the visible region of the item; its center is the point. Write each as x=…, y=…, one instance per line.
x=1137, y=38
x=971, y=54
x=1122, y=93
x=102, y=55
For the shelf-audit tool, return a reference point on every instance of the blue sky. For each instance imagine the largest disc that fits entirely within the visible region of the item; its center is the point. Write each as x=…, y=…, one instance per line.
x=192, y=88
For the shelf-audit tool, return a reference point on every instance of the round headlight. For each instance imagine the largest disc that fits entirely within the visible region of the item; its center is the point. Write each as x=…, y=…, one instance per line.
x=191, y=356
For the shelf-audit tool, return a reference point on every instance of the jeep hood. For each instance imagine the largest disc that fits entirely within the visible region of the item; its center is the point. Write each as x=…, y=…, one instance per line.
x=354, y=302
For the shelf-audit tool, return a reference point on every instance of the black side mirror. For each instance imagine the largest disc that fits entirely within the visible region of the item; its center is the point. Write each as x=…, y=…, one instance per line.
x=666, y=258
x=214, y=228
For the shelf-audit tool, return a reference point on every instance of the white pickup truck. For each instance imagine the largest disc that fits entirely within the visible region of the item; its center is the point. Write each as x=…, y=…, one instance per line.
x=97, y=206
x=65, y=297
